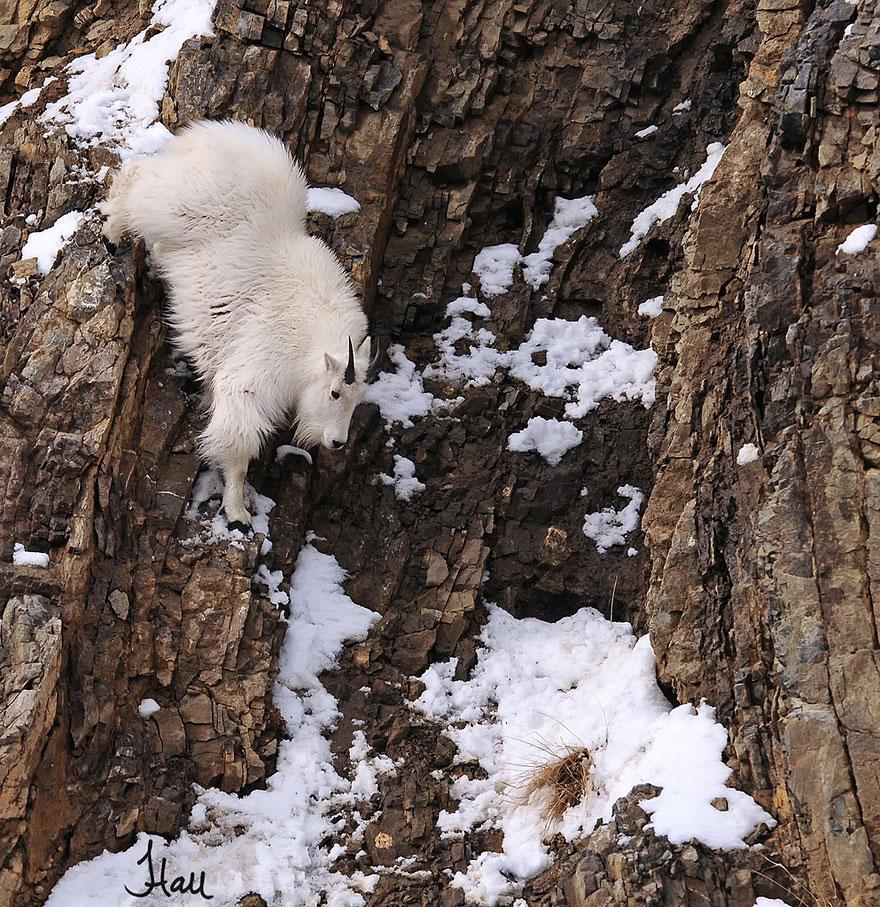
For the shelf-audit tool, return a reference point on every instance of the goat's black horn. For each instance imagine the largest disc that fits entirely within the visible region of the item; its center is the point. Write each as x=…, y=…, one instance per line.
x=349, y=369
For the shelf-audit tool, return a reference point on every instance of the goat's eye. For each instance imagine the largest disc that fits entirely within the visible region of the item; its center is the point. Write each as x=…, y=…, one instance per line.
x=334, y=395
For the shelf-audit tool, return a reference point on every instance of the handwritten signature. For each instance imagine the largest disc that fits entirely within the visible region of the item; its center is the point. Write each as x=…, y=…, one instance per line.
x=178, y=885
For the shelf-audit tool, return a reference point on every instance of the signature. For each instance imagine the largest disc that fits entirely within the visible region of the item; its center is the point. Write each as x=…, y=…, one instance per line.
x=178, y=885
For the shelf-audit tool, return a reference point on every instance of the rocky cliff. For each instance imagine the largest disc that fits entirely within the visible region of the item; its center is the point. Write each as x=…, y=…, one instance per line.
x=455, y=125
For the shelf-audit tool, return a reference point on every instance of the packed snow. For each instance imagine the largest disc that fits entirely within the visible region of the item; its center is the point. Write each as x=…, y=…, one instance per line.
x=569, y=216
x=666, y=206
x=44, y=245
x=148, y=708
x=334, y=202
x=272, y=580
x=646, y=132
x=610, y=527
x=551, y=438
x=748, y=453
x=21, y=557
x=114, y=100
x=404, y=479
x=583, y=359
x=212, y=529
x=770, y=902
x=494, y=267
x=467, y=304
x=28, y=99
x=400, y=395
x=682, y=106
x=476, y=366
x=858, y=240
x=542, y=690
x=286, y=837
x=651, y=308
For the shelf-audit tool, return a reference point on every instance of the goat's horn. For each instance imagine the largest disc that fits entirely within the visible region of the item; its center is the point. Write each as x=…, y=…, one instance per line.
x=349, y=369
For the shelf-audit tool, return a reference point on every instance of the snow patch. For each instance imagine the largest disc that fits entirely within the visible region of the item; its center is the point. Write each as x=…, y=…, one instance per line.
x=44, y=245
x=646, y=132
x=858, y=240
x=682, y=106
x=665, y=206
x=400, y=395
x=467, y=304
x=115, y=100
x=582, y=682
x=148, y=707
x=748, y=453
x=21, y=557
x=334, y=202
x=551, y=438
x=276, y=839
x=609, y=527
x=28, y=99
x=404, y=479
x=580, y=355
x=272, y=580
x=476, y=365
x=651, y=308
x=209, y=484
x=569, y=216
x=494, y=267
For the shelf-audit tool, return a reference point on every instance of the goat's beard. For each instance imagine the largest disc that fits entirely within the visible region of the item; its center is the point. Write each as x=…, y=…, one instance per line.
x=306, y=435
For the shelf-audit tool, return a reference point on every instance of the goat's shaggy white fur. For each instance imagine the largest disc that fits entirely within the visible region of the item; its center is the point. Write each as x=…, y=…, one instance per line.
x=263, y=310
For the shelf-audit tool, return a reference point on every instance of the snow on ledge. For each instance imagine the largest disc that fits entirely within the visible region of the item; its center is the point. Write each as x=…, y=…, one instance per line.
x=404, y=479
x=540, y=689
x=334, y=202
x=282, y=838
x=44, y=245
x=666, y=206
x=651, y=308
x=494, y=267
x=610, y=527
x=21, y=557
x=115, y=100
x=858, y=240
x=748, y=453
x=569, y=216
x=400, y=395
x=551, y=438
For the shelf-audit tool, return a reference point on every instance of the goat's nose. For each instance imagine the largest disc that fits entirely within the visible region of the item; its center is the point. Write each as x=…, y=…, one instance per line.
x=337, y=444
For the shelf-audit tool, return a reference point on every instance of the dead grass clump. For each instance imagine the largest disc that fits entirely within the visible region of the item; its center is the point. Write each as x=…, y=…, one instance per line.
x=563, y=780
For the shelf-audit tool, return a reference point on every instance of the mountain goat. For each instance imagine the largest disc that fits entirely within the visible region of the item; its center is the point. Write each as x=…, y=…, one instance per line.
x=264, y=312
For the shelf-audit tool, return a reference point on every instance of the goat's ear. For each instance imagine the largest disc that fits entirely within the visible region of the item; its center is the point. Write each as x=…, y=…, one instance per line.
x=364, y=350
x=331, y=363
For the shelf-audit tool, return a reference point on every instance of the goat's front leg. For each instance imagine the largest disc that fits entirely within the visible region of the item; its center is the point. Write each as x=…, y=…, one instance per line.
x=234, y=467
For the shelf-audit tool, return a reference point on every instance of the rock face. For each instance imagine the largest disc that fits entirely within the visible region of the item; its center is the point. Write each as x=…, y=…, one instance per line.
x=455, y=125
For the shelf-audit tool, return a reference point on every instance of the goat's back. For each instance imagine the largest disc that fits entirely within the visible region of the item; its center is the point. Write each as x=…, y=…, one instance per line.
x=210, y=181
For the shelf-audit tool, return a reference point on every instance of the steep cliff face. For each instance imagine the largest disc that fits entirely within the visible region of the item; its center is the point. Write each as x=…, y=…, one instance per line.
x=455, y=125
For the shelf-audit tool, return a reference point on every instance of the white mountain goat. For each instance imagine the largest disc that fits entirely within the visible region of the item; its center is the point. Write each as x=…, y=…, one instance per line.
x=265, y=312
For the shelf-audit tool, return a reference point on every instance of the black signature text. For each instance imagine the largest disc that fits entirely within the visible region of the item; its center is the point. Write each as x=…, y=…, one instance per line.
x=177, y=885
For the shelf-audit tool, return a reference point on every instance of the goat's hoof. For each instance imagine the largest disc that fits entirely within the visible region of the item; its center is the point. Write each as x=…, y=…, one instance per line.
x=243, y=528
x=111, y=247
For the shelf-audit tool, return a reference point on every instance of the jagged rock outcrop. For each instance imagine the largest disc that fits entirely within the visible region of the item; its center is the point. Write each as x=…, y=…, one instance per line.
x=455, y=125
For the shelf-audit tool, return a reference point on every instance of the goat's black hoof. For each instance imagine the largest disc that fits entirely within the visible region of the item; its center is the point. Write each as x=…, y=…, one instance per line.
x=243, y=528
x=110, y=246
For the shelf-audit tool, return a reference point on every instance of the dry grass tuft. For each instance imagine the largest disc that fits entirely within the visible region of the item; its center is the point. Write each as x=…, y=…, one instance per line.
x=563, y=780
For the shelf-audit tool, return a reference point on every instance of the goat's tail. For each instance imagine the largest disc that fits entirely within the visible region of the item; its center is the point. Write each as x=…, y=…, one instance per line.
x=116, y=208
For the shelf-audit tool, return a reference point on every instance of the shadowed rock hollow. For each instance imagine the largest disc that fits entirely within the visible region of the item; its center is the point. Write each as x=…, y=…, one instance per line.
x=455, y=125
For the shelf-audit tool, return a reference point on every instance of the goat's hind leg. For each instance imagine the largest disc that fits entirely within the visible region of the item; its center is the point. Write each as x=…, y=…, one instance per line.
x=231, y=440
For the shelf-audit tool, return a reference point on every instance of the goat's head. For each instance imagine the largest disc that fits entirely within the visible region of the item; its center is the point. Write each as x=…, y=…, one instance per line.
x=327, y=404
